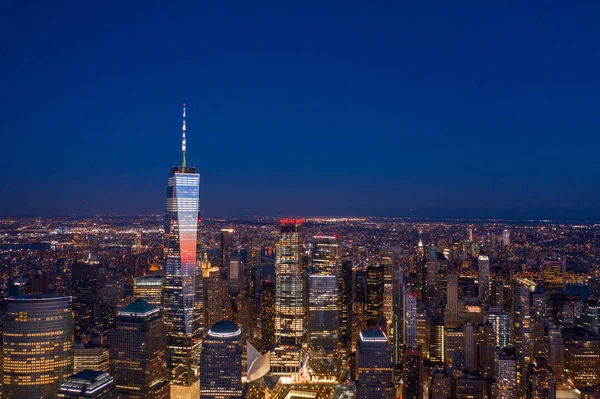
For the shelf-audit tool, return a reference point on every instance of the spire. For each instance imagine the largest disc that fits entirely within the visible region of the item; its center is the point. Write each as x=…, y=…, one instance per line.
x=183, y=142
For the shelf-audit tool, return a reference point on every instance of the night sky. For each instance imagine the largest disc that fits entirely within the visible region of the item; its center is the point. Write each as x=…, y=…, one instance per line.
x=398, y=108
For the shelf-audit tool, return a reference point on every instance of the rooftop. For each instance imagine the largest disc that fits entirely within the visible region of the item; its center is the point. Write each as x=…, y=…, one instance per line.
x=224, y=329
x=138, y=308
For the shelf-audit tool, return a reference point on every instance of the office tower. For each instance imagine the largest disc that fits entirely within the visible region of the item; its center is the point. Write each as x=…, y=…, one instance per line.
x=487, y=345
x=37, y=345
x=267, y=310
x=470, y=386
x=88, y=384
x=149, y=288
x=323, y=296
x=345, y=308
x=412, y=374
x=470, y=347
x=290, y=300
x=234, y=277
x=423, y=333
x=455, y=341
x=373, y=366
x=39, y=282
x=226, y=250
x=440, y=385
x=221, y=362
x=437, y=342
x=374, y=294
x=554, y=273
x=557, y=352
x=505, y=237
x=410, y=315
x=84, y=290
x=213, y=296
x=469, y=236
x=137, y=349
x=505, y=363
x=386, y=260
x=452, y=300
x=96, y=359
x=484, y=278
x=501, y=325
x=541, y=383
x=432, y=274
x=582, y=357
x=398, y=314
x=181, y=289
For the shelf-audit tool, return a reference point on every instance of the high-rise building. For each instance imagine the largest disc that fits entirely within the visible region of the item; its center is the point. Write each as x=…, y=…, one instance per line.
x=373, y=366
x=88, y=384
x=138, y=351
x=213, y=295
x=149, y=288
x=323, y=296
x=290, y=300
x=182, y=295
x=412, y=374
x=452, y=299
x=267, y=310
x=541, y=383
x=226, y=250
x=506, y=373
x=386, y=260
x=469, y=386
x=84, y=290
x=37, y=345
x=374, y=294
x=554, y=274
x=345, y=307
x=506, y=237
x=501, y=325
x=398, y=314
x=455, y=341
x=437, y=347
x=410, y=317
x=221, y=362
x=470, y=347
x=432, y=274
x=96, y=359
x=484, y=278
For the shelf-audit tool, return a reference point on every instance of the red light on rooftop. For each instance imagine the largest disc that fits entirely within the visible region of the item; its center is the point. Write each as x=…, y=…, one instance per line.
x=290, y=221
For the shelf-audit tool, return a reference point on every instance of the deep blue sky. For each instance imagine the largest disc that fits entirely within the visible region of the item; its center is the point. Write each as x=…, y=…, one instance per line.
x=399, y=108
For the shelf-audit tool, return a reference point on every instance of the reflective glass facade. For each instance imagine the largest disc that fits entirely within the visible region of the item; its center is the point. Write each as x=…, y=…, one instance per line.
x=182, y=296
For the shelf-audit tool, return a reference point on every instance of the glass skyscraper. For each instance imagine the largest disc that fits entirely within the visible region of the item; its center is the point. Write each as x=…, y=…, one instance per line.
x=290, y=300
x=37, y=345
x=182, y=296
x=323, y=296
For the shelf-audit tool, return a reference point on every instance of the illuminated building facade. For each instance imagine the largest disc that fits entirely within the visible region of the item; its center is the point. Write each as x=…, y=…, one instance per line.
x=267, y=309
x=88, y=384
x=97, y=359
x=323, y=296
x=412, y=374
x=221, y=362
x=410, y=332
x=345, y=307
x=374, y=369
x=37, y=345
x=149, y=288
x=484, y=278
x=182, y=295
x=84, y=290
x=374, y=294
x=138, y=352
x=541, y=383
x=290, y=300
x=554, y=273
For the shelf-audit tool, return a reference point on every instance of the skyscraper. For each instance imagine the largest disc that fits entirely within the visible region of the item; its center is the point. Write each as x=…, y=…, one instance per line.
x=374, y=294
x=484, y=278
x=410, y=317
x=221, y=362
x=182, y=289
x=452, y=299
x=398, y=313
x=84, y=289
x=373, y=366
x=149, y=288
x=505, y=237
x=412, y=374
x=323, y=296
x=137, y=349
x=290, y=300
x=267, y=310
x=554, y=275
x=432, y=274
x=345, y=307
x=541, y=382
x=38, y=345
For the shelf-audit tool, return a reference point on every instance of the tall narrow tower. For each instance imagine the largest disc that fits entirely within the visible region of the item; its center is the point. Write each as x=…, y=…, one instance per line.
x=181, y=299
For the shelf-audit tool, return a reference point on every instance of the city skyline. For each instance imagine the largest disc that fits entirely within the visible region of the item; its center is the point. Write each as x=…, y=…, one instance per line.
x=436, y=111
